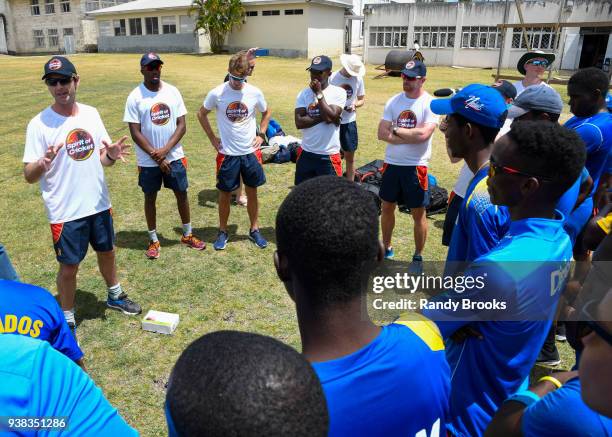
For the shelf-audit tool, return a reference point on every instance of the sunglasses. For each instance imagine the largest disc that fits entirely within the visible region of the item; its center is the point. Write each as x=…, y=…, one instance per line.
x=538, y=62
x=409, y=78
x=237, y=79
x=587, y=315
x=495, y=168
x=53, y=81
x=155, y=67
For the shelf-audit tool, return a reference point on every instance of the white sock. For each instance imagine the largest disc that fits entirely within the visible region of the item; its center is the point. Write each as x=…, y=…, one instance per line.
x=153, y=235
x=69, y=315
x=115, y=291
x=186, y=229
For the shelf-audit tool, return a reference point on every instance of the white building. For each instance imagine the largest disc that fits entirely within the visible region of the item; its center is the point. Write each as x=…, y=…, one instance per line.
x=465, y=33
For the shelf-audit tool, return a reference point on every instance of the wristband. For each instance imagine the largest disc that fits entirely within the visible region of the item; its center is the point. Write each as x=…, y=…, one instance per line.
x=110, y=157
x=552, y=380
x=526, y=397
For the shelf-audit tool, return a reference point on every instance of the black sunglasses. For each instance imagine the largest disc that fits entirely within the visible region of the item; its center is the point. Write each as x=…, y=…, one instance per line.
x=587, y=315
x=52, y=81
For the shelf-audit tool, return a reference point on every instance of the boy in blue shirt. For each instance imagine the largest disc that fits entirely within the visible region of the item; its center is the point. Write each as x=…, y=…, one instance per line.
x=527, y=271
x=378, y=381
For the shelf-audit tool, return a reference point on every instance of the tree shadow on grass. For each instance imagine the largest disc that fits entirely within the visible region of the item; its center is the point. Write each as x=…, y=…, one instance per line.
x=209, y=234
x=139, y=239
x=208, y=198
x=89, y=307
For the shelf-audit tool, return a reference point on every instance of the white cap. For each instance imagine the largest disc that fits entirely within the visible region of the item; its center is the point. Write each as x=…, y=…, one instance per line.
x=353, y=65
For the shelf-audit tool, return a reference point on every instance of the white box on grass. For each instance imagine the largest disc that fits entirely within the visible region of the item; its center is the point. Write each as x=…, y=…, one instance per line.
x=160, y=322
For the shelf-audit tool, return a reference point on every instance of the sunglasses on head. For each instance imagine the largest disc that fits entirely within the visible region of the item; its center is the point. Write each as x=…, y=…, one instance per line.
x=589, y=319
x=53, y=81
x=538, y=62
x=237, y=79
x=495, y=168
x=153, y=67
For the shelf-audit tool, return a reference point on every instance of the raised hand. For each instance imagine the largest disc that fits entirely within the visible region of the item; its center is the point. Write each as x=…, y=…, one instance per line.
x=50, y=154
x=117, y=150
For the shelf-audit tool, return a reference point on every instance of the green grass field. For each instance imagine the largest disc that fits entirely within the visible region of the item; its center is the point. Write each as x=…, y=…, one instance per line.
x=234, y=289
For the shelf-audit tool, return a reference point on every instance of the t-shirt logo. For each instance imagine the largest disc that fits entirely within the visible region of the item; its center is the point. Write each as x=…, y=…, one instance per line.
x=349, y=90
x=236, y=112
x=313, y=110
x=55, y=64
x=79, y=144
x=160, y=114
x=316, y=61
x=407, y=119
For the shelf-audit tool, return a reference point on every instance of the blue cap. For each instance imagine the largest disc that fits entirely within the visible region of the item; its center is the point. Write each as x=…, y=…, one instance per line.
x=149, y=58
x=609, y=102
x=414, y=69
x=478, y=103
x=320, y=63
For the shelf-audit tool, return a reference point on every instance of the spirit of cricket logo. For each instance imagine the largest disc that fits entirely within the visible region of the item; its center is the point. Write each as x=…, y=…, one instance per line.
x=79, y=144
x=236, y=112
x=160, y=114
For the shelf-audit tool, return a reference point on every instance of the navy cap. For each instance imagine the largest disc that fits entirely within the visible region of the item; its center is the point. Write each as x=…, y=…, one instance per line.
x=506, y=89
x=481, y=104
x=536, y=98
x=320, y=63
x=59, y=65
x=148, y=58
x=414, y=69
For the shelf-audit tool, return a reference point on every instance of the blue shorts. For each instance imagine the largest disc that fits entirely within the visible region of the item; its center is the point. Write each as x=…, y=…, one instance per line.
x=150, y=178
x=230, y=168
x=310, y=165
x=405, y=184
x=348, y=136
x=71, y=239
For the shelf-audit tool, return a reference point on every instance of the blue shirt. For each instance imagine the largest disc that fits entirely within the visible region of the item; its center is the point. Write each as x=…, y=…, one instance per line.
x=486, y=372
x=39, y=381
x=480, y=225
x=29, y=310
x=397, y=385
x=563, y=413
x=570, y=197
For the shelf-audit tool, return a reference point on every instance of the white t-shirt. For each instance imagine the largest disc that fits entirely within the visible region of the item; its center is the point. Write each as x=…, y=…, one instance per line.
x=354, y=87
x=520, y=87
x=409, y=113
x=322, y=138
x=156, y=112
x=463, y=180
x=74, y=187
x=236, y=116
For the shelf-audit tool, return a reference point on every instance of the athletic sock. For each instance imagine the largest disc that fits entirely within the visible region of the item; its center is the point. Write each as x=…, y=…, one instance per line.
x=186, y=229
x=69, y=315
x=153, y=236
x=114, y=292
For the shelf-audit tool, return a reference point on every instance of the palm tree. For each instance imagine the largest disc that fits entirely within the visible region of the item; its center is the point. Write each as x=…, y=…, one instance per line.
x=217, y=18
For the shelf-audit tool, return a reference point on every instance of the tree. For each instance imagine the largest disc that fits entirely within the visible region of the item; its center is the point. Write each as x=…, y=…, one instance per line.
x=217, y=18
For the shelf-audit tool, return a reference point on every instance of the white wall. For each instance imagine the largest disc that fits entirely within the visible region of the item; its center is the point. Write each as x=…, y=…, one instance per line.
x=325, y=30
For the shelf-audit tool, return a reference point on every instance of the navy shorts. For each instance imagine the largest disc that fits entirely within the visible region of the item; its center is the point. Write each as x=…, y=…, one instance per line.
x=406, y=185
x=150, y=178
x=230, y=168
x=310, y=165
x=71, y=239
x=348, y=136
x=454, y=205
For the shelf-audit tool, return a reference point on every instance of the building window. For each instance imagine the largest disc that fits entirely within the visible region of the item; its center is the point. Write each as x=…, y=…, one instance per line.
x=294, y=11
x=53, y=37
x=65, y=5
x=251, y=13
x=388, y=36
x=268, y=13
x=35, y=7
x=540, y=38
x=168, y=24
x=68, y=31
x=435, y=37
x=480, y=37
x=105, y=28
x=39, y=39
x=186, y=23
x=135, y=26
x=152, y=25
x=119, y=27
x=49, y=7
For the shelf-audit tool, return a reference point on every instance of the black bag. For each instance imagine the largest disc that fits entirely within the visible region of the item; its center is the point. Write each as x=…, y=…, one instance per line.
x=370, y=173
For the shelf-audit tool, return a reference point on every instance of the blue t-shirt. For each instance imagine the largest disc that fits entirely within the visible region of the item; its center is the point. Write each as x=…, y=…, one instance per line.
x=563, y=413
x=29, y=310
x=397, y=385
x=39, y=381
x=596, y=132
x=485, y=372
x=480, y=225
x=570, y=197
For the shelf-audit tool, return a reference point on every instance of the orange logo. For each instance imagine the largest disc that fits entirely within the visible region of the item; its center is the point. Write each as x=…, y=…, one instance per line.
x=407, y=119
x=160, y=114
x=79, y=144
x=349, y=90
x=55, y=64
x=236, y=112
x=313, y=110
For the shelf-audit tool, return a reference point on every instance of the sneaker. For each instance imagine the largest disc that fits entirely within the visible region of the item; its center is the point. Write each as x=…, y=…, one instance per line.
x=221, y=241
x=549, y=356
x=560, y=333
x=416, y=266
x=389, y=254
x=72, y=327
x=193, y=242
x=255, y=237
x=123, y=304
x=153, y=250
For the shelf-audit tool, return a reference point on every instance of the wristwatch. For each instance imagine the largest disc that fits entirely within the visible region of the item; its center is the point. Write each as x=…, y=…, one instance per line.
x=394, y=130
x=319, y=96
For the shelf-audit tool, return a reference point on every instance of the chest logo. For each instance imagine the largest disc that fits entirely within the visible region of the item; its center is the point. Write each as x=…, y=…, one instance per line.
x=160, y=114
x=407, y=119
x=236, y=112
x=79, y=144
x=349, y=90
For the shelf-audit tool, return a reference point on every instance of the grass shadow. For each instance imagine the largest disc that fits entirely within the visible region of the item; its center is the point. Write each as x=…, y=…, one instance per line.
x=89, y=307
x=138, y=240
x=439, y=224
x=206, y=197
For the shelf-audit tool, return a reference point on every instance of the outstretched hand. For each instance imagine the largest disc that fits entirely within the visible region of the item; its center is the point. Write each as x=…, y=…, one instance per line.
x=117, y=150
x=50, y=155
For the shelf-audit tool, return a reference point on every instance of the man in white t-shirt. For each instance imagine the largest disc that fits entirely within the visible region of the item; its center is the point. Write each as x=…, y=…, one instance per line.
x=350, y=77
x=155, y=113
x=407, y=126
x=238, y=148
x=318, y=112
x=66, y=147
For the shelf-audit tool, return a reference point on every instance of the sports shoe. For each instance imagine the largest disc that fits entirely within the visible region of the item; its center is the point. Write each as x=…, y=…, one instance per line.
x=549, y=356
x=72, y=327
x=389, y=254
x=221, y=241
x=416, y=266
x=560, y=333
x=153, y=250
x=123, y=304
x=193, y=242
x=255, y=237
